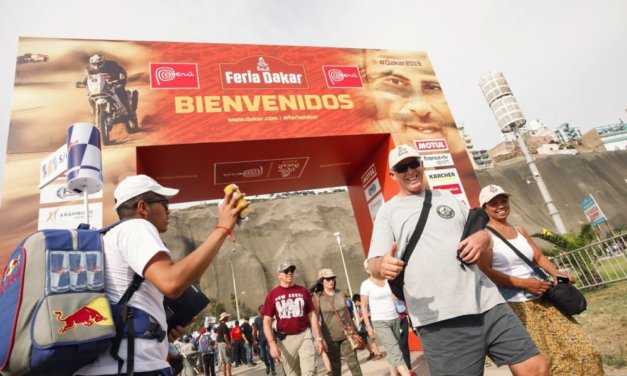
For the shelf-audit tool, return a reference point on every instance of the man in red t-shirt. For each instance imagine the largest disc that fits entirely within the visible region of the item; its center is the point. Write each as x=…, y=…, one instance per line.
x=291, y=306
x=238, y=345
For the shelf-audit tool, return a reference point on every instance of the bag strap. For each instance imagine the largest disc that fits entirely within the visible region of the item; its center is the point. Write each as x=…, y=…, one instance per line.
x=533, y=266
x=126, y=319
x=336, y=312
x=420, y=226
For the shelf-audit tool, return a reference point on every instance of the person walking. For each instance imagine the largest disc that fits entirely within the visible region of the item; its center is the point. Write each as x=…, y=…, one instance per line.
x=206, y=347
x=190, y=355
x=298, y=335
x=378, y=300
x=560, y=338
x=247, y=336
x=336, y=322
x=239, y=355
x=371, y=345
x=458, y=311
x=260, y=337
x=224, y=344
x=401, y=308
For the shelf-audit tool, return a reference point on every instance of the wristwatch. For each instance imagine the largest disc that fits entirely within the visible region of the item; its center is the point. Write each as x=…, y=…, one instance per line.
x=318, y=338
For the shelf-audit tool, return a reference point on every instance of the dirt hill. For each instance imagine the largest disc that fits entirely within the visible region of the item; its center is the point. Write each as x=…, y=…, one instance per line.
x=301, y=228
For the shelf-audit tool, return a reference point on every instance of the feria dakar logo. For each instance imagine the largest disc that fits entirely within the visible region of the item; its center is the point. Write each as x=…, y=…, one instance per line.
x=263, y=72
x=174, y=76
x=341, y=76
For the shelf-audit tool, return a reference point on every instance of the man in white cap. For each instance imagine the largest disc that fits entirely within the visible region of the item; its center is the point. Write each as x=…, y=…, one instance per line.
x=133, y=247
x=294, y=343
x=458, y=311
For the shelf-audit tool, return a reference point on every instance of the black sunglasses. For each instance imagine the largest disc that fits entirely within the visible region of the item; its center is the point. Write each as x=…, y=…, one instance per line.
x=163, y=202
x=289, y=270
x=402, y=168
x=329, y=278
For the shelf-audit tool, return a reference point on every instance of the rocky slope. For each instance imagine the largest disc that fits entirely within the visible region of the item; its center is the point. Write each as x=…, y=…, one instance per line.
x=301, y=228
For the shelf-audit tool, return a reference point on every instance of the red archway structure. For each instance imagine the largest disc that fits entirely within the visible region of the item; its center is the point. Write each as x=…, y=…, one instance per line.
x=269, y=118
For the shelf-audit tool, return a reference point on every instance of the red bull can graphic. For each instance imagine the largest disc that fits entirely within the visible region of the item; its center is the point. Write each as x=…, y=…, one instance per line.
x=85, y=315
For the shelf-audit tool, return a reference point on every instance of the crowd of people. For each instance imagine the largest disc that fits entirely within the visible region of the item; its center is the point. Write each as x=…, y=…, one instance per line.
x=465, y=298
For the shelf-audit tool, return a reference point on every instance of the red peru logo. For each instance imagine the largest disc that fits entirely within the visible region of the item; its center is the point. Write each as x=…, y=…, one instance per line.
x=174, y=76
x=341, y=76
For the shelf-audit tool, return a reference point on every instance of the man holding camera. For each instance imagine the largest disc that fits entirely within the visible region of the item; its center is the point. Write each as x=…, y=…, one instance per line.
x=459, y=313
x=295, y=344
x=134, y=247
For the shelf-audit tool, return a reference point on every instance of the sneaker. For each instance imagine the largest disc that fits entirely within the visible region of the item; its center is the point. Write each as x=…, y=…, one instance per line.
x=273, y=372
x=267, y=370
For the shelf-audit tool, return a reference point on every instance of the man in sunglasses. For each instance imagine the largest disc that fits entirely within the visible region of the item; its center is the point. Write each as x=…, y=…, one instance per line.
x=294, y=343
x=134, y=247
x=459, y=313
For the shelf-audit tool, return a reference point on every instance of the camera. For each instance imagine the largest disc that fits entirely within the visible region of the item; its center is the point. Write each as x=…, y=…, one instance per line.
x=562, y=279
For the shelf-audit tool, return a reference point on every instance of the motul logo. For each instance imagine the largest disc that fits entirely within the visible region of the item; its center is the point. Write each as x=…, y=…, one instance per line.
x=174, y=76
x=428, y=145
x=340, y=76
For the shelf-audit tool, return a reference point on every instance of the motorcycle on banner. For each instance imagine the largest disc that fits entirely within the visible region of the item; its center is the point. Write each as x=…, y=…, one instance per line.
x=107, y=106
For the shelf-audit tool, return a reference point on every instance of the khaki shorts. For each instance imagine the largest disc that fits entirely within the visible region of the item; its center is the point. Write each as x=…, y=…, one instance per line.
x=224, y=358
x=459, y=346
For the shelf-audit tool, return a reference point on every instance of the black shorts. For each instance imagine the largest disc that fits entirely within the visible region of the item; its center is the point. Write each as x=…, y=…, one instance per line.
x=459, y=346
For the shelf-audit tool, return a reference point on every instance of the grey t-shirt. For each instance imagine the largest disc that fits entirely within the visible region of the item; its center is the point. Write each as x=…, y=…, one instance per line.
x=436, y=286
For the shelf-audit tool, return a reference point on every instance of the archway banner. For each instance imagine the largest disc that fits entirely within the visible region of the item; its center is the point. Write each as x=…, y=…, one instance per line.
x=153, y=98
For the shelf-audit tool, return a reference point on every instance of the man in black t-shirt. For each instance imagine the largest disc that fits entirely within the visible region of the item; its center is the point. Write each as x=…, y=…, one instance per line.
x=247, y=334
x=259, y=336
x=224, y=344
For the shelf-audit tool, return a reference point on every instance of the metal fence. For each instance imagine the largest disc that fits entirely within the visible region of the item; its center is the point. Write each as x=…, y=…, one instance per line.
x=598, y=263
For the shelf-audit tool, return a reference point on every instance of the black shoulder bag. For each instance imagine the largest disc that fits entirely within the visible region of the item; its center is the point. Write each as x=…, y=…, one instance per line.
x=396, y=284
x=564, y=295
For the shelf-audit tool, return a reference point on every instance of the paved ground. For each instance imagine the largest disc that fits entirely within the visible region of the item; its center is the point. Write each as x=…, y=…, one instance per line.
x=369, y=368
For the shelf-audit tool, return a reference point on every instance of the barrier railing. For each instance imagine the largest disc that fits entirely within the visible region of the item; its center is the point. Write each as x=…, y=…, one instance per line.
x=598, y=263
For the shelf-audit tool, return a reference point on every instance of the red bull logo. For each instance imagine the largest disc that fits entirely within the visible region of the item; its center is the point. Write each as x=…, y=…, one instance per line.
x=11, y=266
x=84, y=315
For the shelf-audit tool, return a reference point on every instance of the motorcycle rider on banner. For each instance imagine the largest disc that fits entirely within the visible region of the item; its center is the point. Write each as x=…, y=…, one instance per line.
x=117, y=77
x=109, y=100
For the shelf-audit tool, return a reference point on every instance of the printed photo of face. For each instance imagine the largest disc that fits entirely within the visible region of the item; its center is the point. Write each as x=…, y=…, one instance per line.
x=407, y=95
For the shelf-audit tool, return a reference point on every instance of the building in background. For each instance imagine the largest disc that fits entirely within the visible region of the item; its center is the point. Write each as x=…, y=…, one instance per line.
x=565, y=134
x=480, y=158
x=613, y=136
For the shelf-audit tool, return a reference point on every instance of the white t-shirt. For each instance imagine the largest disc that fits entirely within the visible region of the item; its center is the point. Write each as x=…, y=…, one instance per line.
x=436, y=287
x=505, y=260
x=380, y=300
x=128, y=247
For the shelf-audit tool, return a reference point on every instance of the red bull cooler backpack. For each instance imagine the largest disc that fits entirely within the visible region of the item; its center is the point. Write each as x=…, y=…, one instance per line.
x=54, y=315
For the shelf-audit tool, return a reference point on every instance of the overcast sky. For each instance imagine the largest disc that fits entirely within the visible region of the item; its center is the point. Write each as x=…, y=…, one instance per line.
x=564, y=59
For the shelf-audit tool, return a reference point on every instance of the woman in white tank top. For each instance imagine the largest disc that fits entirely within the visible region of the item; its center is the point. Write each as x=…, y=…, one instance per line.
x=560, y=339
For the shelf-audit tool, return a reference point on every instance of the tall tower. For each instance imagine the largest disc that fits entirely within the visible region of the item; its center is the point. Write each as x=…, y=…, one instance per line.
x=510, y=119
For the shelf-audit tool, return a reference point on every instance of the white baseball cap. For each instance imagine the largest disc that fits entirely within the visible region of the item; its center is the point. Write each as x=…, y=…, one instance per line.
x=489, y=192
x=401, y=152
x=133, y=186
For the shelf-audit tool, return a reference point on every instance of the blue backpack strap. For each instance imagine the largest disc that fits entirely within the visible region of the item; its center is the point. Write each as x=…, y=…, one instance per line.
x=104, y=230
x=126, y=320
